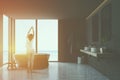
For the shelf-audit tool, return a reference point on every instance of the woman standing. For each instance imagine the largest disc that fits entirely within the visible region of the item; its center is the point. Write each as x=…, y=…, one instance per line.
x=29, y=45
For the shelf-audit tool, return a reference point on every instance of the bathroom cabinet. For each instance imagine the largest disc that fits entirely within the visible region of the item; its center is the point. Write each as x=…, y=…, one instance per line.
x=107, y=65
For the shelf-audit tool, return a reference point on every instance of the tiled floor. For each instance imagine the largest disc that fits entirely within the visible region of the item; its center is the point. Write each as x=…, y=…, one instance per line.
x=55, y=71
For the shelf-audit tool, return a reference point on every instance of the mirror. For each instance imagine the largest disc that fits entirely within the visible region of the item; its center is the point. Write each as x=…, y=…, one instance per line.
x=95, y=28
x=106, y=24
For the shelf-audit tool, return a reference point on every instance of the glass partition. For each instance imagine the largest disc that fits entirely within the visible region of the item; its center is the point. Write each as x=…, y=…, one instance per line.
x=5, y=39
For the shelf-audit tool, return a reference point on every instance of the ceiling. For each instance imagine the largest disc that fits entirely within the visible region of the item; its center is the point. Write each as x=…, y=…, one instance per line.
x=56, y=9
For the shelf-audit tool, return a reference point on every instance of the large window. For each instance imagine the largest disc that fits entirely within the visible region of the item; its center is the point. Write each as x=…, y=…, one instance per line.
x=21, y=29
x=48, y=38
